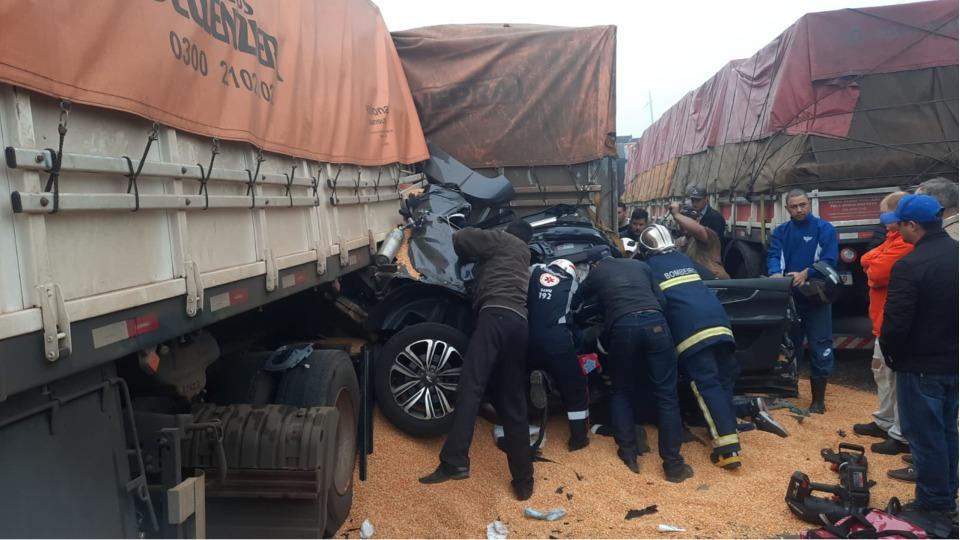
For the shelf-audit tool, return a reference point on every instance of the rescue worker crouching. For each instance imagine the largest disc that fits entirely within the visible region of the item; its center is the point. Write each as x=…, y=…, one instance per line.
x=551, y=344
x=639, y=345
x=703, y=337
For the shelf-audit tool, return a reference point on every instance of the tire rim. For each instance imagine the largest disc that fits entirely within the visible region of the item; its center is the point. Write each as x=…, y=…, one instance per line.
x=424, y=378
x=346, y=441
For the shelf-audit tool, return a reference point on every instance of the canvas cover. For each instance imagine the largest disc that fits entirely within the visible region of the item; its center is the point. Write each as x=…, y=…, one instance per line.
x=854, y=98
x=317, y=80
x=497, y=95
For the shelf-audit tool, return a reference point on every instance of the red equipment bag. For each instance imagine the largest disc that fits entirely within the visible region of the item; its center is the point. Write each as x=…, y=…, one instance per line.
x=871, y=524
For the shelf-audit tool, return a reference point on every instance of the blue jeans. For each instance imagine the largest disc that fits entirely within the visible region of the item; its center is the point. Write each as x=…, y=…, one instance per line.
x=816, y=324
x=927, y=404
x=641, y=345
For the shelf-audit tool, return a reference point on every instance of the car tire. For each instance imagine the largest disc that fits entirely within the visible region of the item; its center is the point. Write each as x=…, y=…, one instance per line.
x=326, y=378
x=416, y=395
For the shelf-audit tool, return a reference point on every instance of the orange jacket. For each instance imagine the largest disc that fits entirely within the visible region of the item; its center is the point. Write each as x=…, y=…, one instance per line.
x=877, y=264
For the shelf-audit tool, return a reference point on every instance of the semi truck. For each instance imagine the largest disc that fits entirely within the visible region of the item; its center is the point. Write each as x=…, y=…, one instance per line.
x=184, y=185
x=847, y=105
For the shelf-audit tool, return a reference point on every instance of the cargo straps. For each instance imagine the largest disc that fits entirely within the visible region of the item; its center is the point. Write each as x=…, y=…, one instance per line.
x=290, y=178
x=53, y=181
x=252, y=179
x=332, y=184
x=133, y=175
x=205, y=175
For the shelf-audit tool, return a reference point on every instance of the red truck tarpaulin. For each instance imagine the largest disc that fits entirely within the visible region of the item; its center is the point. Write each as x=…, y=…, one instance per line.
x=801, y=89
x=317, y=80
x=497, y=95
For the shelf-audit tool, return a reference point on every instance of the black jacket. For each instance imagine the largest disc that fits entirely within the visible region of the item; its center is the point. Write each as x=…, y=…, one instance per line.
x=502, y=269
x=919, y=332
x=713, y=220
x=622, y=286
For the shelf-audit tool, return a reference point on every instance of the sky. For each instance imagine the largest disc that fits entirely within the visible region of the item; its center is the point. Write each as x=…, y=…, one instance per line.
x=665, y=48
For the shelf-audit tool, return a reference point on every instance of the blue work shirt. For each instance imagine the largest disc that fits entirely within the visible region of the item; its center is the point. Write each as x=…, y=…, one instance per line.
x=794, y=247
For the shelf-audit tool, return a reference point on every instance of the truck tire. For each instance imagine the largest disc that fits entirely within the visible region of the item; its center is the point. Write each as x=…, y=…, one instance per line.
x=416, y=377
x=239, y=379
x=327, y=379
x=744, y=260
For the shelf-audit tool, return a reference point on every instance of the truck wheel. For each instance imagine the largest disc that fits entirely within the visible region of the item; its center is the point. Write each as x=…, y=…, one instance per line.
x=744, y=260
x=416, y=377
x=239, y=379
x=327, y=379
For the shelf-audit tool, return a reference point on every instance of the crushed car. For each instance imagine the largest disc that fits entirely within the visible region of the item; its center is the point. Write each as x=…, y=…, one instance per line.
x=420, y=313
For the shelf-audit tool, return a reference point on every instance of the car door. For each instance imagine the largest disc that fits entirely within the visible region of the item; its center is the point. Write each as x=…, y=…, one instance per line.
x=761, y=312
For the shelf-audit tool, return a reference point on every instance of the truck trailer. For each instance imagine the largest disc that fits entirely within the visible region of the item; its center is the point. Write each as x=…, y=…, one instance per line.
x=848, y=105
x=183, y=182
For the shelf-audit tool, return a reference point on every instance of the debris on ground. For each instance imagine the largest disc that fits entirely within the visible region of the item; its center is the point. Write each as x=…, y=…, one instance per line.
x=496, y=530
x=569, y=496
x=841, y=433
x=663, y=527
x=559, y=490
x=552, y=514
x=366, y=529
x=634, y=513
x=580, y=477
x=703, y=487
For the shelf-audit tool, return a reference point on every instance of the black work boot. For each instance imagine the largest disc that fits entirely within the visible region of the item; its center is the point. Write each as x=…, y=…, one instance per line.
x=578, y=435
x=818, y=387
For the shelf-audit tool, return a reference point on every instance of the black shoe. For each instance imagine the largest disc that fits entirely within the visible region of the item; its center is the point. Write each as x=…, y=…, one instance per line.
x=890, y=447
x=679, y=473
x=907, y=458
x=538, y=390
x=818, y=389
x=577, y=443
x=446, y=472
x=630, y=460
x=870, y=430
x=907, y=474
x=522, y=490
x=765, y=422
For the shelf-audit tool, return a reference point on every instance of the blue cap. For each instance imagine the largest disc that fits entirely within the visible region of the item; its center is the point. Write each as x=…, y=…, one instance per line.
x=917, y=208
x=889, y=218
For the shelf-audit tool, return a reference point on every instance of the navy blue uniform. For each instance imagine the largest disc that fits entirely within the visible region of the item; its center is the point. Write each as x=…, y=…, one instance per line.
x=705, y=346
x=551, y=345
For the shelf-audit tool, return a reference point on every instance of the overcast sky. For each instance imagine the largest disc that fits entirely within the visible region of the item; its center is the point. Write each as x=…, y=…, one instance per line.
x=665, y=48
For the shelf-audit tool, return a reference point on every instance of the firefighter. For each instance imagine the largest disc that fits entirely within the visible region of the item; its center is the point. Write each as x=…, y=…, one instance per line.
x=551, y=344
x=703, y=338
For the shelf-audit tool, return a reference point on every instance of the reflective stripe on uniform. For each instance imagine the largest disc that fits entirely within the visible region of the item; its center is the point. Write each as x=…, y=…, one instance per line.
x=733, y=438
x=679, y=281
x=577, y=415
x=702, y=335
x=705, y=410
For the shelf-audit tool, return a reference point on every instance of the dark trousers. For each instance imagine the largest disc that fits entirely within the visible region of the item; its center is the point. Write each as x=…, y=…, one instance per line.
x=927, y=405
x=641, y=345
x=553, y=351
x=712, y=372
x=816, y=324
x=497, y=351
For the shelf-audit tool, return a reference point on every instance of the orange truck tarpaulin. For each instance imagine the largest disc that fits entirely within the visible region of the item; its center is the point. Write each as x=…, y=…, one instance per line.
x=313, y=79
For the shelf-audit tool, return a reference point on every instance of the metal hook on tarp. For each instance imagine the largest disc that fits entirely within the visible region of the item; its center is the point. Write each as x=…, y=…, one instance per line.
x=133, y=175
x=205, y=175
x=53, y=181
x=252, y=179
